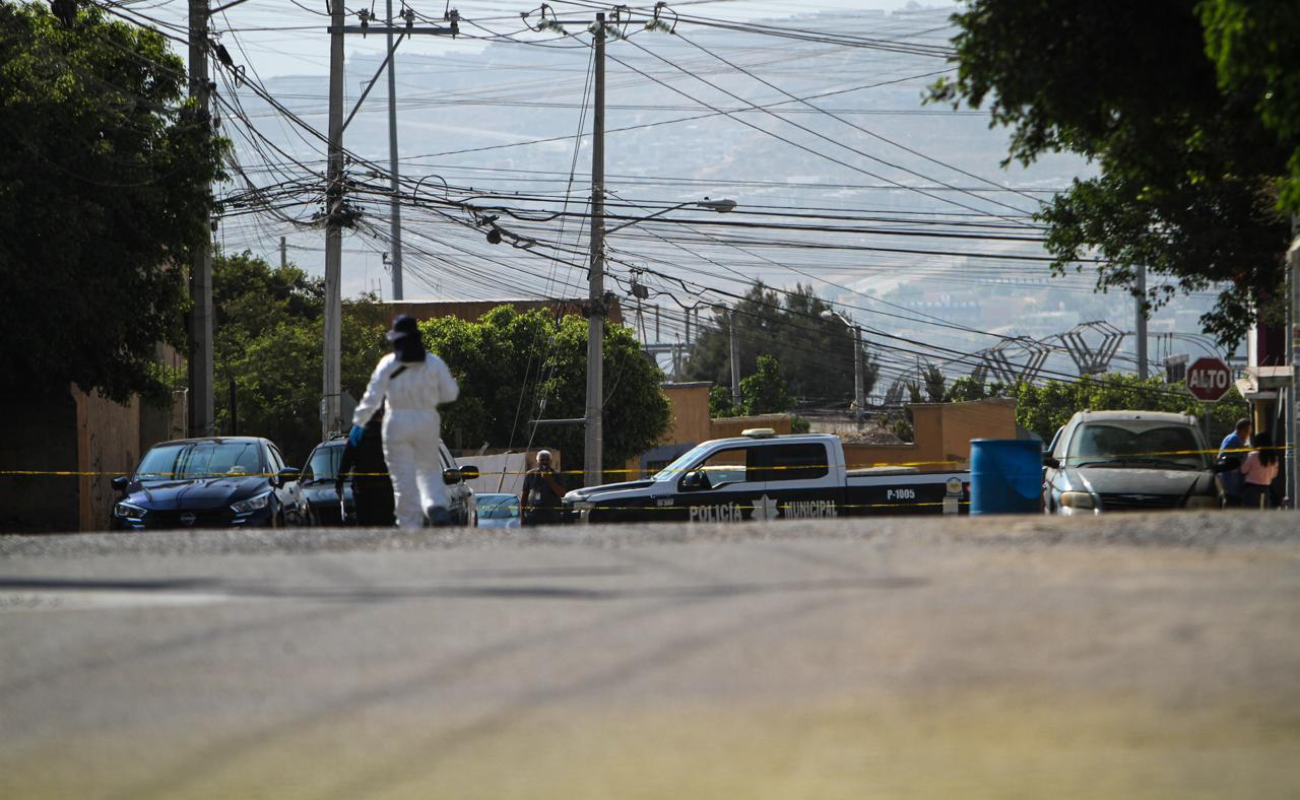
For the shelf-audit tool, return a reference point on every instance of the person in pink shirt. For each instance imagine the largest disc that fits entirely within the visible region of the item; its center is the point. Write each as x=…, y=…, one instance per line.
x=1258, y=471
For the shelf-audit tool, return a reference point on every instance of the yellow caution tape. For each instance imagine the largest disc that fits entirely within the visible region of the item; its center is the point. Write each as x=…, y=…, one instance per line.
x=621, y=471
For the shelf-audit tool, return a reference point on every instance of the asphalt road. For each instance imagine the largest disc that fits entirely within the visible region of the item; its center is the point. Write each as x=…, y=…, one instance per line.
x=1152, y=657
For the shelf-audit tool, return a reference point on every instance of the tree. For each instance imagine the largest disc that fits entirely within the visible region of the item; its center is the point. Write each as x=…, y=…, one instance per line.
x=816, y=354
x=1045, y=408
x=1255, y=47
x=516, y=367
x=720, y=403
x=965, y=389
x=764, y=392
x=1188, y=167
x=934, y=381
x=103, y=193
x=268, y=333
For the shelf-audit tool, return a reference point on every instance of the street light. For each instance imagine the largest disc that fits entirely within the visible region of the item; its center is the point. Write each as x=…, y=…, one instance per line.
x=858, y=399
x=720, y=206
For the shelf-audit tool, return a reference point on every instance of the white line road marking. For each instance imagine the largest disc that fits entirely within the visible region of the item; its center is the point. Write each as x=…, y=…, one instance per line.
x=62, y=600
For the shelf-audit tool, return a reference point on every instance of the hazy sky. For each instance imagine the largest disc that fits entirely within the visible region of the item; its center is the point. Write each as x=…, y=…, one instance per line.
x=283, y=37
x=277, y=39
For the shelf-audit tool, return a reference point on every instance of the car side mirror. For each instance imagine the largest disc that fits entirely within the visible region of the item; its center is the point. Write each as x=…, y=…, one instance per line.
x=287, y=475
x=693, y=481
x=1054, y=463
x=1227, y=464
x=120, y=483
x=469, y=473
x=451, y=475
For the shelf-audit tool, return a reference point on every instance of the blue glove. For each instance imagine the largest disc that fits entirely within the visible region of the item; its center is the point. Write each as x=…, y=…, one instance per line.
x=354, y=436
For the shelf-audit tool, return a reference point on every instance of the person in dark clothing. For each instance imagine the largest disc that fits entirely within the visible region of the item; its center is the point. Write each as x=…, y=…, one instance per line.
x=372, y=491
x=1233, y=483
x=542, y=493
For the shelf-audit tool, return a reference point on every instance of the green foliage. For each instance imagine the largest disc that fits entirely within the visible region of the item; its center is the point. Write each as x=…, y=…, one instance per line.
x=967, y=388
x=1043, y=409
x=935, y=382
x=1188, y=168
x=720, y=404
x=800, y=424
x=816, y=355
x=964, y=389
x=901, y=426
x=898, y=399
x=492, y=359
x=1255, y=47
x=515, y=367
x=103, y=193
x=269, y=342
x=764, y=392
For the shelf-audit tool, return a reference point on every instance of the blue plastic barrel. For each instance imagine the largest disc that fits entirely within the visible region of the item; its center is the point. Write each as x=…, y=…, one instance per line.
x=1006, y=476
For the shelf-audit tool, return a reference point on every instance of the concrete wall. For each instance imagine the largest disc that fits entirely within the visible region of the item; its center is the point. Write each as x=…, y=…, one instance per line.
x=40, y=434
x=941, y=433
x=728, y=427
x=689, y=404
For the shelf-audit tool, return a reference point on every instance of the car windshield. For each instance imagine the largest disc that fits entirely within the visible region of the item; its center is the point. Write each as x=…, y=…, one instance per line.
x=324, y=463
x=1136, y=443
x=681, y=463
x=192, y=460
x=502, y=507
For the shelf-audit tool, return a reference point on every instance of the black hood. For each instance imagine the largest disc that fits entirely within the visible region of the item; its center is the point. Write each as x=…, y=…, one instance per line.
x=195, y=495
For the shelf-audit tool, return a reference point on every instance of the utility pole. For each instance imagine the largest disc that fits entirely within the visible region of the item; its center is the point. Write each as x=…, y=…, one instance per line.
x=735, y=359
x=395, y=208
x=593, y=452
x=1293, y=391
x=858, y=394
x=335, y=211
x=1141, y=327
x=202, y=407
x=331, y=421
x=284, y=252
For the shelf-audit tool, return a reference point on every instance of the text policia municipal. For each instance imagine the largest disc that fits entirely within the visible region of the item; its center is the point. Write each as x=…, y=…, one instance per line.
x=764, y=508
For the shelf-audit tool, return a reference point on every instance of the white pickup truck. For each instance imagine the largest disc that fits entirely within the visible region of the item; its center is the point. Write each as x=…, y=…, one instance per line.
x=762, y=476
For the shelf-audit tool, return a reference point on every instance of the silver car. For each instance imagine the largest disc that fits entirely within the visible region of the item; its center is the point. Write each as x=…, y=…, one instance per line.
x=1108, y=461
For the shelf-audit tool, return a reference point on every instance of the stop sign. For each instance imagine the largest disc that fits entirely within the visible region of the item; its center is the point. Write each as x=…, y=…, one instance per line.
x=1208, y=379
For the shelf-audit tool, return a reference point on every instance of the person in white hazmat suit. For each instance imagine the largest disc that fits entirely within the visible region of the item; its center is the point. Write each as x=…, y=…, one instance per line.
x=414, y=383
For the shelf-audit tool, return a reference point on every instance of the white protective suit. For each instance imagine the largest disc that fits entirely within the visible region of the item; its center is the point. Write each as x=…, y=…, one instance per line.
x=412, y=430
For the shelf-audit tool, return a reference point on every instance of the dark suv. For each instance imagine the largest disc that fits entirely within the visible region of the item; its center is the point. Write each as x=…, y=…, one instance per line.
x=318, y=478
x=322, y=469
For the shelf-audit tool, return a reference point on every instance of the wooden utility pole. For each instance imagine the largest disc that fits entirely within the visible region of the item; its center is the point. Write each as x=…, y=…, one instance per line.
x=1141, y=322
x=332, y=388
x=394, y=207
x=593, y=451
x=201, y=405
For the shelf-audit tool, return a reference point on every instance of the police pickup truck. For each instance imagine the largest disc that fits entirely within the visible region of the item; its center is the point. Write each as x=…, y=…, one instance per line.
x=762, y=476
